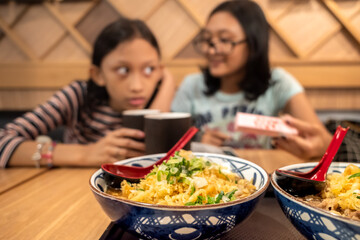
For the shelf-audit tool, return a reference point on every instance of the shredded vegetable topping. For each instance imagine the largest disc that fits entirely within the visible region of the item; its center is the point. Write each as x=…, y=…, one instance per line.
x=186, y=180
x=341, y=194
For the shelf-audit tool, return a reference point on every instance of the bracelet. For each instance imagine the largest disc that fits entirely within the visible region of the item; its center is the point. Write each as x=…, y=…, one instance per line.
x=42, y=142
x=37, y=155
x=49, y=154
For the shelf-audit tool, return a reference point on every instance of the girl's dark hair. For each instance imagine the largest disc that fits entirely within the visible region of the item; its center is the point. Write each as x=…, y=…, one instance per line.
x=111, y=36
x=257, y=69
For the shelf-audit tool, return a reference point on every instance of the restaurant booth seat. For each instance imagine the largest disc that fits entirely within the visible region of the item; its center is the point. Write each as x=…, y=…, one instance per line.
x=349, y=150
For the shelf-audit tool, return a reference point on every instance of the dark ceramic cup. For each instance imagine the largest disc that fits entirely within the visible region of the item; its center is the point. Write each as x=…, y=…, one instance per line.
x=135, y=118
x=163, y=130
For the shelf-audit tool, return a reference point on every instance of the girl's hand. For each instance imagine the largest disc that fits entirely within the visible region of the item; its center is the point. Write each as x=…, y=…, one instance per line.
x=312, y=141
x=166, y=92
x=214, y=137
x=168, y=79
x=116, y=145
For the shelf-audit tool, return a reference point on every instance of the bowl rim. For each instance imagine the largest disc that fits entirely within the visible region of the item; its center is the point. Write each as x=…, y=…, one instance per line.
x=305, y=204
x=188, y=208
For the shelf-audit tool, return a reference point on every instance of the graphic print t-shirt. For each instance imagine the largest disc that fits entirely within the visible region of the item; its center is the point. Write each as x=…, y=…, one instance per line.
x=218, y=111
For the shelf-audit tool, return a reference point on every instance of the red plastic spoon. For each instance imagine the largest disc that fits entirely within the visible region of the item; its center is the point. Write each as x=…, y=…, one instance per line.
x=312, y=182
x=115, y=174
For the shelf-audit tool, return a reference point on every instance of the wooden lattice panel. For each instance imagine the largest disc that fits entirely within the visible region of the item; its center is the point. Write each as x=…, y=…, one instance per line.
x=11, y=12
x=100, y=15
x=136, y=8
x=313, y=29
x=198, y=10
x=173, y=27
x=348, y=8
x=341, y=46
x=73, y=52
x=66, y=47
x=279, y=51
x=72, y=12
x=276, y=8
x=307, y=22
x=11, y=52
x=38, y=29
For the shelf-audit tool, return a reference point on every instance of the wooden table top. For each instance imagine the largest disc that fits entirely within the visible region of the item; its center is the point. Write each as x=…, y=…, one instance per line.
x=270, y=160
x=58, y=203
x=12, y=177
x=55, y=205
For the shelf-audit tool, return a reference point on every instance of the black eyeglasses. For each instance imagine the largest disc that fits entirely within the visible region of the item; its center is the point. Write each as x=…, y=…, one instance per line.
x=223, y=46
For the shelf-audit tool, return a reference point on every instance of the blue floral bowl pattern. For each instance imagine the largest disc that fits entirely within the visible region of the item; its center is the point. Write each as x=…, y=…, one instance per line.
x=149, y=221
x=315, y=223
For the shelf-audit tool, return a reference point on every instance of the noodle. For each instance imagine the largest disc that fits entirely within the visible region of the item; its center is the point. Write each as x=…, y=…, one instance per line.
x=186, y=180
x=341, y=194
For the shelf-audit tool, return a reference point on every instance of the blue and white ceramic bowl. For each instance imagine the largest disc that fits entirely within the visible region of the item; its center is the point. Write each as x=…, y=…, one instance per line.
x=149, y=221
x=315, y=223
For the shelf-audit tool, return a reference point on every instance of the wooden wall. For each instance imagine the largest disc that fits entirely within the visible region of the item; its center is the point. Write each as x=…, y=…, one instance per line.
x=47, y=45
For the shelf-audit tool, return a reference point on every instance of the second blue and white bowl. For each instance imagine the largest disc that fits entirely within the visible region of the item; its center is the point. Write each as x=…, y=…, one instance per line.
x=315, y=223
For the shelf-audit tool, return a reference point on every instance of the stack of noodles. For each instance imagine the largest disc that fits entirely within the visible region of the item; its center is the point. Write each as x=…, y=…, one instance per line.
x=341, y=194
x=187, y=180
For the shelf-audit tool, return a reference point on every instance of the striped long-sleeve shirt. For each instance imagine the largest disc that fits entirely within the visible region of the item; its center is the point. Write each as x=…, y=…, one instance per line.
x=64, y=108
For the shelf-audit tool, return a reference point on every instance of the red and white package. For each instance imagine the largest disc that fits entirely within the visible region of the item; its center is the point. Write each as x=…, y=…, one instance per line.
x=263, y=125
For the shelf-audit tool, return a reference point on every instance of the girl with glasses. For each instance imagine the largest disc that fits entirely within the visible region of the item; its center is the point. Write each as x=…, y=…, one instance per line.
x=238, y=78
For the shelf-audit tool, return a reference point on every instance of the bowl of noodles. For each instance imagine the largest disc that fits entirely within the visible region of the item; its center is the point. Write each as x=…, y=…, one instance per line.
x=190, y=196
x=334, y=213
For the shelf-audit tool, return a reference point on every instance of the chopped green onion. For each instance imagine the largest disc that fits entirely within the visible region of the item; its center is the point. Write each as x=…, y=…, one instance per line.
x=174, y=170
x=174, y=160
x=210, y=200
x=179, y=168
x=354, y=175
x=231, y=194
x=187, y=181
x=150, y=174
x=219, y=197
x=182, y=175
x=189, y=203
x=227, y=178
x=199, y=200
x=158, y=176
x=192, y=190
